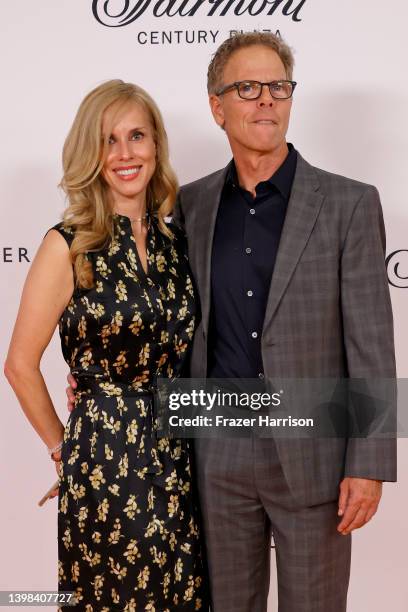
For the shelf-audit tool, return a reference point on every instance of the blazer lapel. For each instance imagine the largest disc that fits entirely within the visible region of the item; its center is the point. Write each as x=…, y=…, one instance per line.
x=303, y=208
x=207, y=209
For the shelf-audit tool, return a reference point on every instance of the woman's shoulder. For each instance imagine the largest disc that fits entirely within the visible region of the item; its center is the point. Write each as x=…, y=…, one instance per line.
x=66, y=231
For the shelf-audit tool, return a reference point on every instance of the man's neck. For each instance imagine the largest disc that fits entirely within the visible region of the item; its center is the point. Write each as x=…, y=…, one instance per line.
x=253, y=167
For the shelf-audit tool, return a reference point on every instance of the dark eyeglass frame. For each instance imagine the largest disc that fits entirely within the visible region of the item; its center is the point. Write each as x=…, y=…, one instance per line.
x=237, y=84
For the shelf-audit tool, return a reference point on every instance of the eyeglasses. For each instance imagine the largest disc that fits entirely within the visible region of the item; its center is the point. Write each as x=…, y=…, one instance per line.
x=252, y=90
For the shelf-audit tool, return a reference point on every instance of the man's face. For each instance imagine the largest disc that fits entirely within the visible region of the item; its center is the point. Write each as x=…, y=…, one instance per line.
x=253, y=125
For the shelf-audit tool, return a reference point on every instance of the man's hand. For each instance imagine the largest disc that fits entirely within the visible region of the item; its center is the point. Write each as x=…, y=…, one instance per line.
x=58, y=469
x=358, y=502
x=70, y=392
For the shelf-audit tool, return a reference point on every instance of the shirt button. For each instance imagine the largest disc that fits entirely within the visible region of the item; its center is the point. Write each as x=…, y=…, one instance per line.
x=252, y=211
x=254, y=334
x=261, y=375
x=250, y=293
x=248, y=250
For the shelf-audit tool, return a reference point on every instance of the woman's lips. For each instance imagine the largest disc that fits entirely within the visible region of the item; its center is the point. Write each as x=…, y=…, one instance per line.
x=128, y=173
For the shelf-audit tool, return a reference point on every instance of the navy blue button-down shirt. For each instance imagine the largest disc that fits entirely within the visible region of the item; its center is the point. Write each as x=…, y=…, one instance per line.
x=246, y=240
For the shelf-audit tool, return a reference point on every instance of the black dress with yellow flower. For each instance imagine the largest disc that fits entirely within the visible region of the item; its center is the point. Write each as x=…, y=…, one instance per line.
x=127, y=520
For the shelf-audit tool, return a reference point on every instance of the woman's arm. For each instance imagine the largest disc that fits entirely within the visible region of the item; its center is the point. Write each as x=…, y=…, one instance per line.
x=47, y=291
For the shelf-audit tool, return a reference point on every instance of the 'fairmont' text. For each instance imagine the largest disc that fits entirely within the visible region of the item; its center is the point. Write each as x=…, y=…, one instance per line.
x=133, y=9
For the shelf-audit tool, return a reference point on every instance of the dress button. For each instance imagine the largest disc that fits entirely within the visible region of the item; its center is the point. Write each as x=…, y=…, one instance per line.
x=248, y=250
x=252, y=211
x=254, y=334
x=261, y=375
x=250, y=293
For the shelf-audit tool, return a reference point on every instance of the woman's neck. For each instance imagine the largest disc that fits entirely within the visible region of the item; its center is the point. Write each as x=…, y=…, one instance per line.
x=134, y=208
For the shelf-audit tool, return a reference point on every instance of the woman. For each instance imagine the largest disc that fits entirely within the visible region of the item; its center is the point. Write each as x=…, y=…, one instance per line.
x=115, y=278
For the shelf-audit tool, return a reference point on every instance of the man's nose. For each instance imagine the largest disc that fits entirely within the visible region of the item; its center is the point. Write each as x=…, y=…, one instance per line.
x=265, y=98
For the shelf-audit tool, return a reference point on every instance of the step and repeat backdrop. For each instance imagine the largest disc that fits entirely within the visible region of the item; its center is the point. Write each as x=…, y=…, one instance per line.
x=349, y=117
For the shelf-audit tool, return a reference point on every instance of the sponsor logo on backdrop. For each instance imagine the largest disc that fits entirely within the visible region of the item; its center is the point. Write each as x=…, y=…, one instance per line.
x=14, y=255
x=397, y=268
x=121, y=13
x=114, y=14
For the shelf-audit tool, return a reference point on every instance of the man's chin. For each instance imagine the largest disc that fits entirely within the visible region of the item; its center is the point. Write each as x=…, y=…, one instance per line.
x=264, y=146
x=258, y=142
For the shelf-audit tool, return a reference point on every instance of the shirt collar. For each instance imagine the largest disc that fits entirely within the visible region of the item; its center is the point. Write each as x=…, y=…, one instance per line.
x=282, y=179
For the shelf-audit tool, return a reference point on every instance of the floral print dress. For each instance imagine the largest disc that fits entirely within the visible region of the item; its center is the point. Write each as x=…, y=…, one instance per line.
x=128, y=531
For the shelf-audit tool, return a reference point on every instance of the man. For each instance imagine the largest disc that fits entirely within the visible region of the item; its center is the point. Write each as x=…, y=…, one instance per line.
x=289, y=265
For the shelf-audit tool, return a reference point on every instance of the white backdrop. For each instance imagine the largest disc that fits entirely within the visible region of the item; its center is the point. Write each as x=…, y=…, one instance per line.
x=349, y=116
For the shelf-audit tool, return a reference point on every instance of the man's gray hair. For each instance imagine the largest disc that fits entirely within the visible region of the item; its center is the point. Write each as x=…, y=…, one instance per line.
x=240, y=41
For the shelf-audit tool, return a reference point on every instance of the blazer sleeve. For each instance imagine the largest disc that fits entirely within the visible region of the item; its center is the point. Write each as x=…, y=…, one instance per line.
x=178, y=216
x=368, y=336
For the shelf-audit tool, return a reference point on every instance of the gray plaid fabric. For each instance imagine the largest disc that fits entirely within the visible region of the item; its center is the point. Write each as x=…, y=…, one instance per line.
x=328, y=315
x=244, y=495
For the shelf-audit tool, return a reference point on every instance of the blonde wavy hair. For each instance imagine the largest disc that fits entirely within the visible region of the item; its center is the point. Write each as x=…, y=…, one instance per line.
x=89, y=212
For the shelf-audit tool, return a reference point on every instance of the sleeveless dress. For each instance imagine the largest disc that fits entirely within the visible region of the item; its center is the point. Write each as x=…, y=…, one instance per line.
x=128, y=528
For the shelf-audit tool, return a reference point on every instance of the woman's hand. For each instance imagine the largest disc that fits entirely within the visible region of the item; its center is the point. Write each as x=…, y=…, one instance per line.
x=57, y=459
x=70, y=391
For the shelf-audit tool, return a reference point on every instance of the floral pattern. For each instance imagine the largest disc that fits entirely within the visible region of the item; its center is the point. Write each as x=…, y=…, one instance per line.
x=129, y=535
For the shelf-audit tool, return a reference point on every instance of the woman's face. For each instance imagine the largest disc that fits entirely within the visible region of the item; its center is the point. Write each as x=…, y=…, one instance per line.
x=131, y=159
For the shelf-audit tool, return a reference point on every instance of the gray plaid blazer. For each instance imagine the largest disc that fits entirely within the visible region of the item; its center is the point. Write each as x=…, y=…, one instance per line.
x=328, y=312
